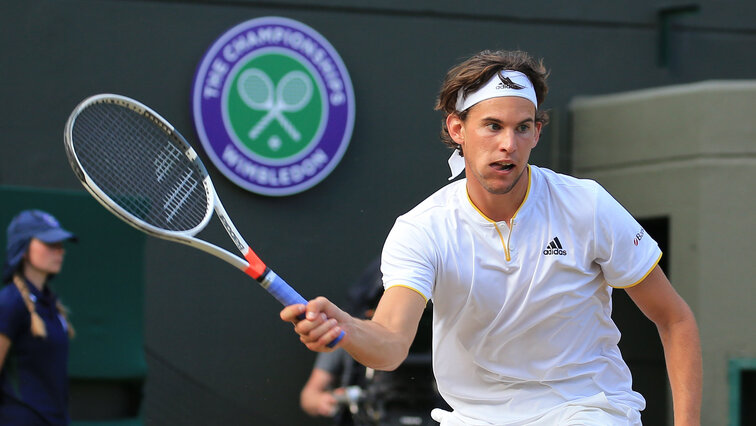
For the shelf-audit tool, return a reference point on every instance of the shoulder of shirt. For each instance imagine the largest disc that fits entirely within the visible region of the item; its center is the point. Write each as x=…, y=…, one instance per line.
x=555, y=178
x=575, y=197
x=8, y=289
x=9, y=295
x=549, y=179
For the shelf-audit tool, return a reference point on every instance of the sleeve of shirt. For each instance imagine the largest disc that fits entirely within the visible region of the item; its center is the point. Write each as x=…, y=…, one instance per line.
x=623, y=249
x=330, y=362
x=14, y=317
x=407, y=259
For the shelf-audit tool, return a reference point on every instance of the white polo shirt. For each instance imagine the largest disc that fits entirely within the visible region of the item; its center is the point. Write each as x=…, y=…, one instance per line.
x=522, y=313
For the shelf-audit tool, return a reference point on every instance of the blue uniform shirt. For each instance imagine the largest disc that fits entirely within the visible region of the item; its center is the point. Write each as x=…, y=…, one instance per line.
x=34, y=377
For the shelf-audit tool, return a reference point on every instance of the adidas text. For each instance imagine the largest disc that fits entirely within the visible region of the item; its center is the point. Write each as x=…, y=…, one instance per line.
x=555, y=252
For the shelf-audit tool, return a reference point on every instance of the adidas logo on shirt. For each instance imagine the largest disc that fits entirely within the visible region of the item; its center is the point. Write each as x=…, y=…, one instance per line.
x=554, y=248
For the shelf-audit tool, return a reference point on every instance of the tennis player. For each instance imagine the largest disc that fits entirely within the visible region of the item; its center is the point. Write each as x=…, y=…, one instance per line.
x=520, y=263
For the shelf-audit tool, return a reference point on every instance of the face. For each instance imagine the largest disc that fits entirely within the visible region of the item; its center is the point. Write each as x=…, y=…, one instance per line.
x=45, y=258
x=496, y=138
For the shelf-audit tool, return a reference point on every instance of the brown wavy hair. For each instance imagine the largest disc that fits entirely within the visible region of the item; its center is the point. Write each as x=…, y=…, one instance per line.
x=474, y=72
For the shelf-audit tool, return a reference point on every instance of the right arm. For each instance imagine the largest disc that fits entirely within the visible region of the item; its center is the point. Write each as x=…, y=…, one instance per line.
x=381, y=343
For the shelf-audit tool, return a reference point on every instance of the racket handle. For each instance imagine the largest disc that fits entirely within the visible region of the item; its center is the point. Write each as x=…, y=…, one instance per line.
x=285, y=294
x=282, y=291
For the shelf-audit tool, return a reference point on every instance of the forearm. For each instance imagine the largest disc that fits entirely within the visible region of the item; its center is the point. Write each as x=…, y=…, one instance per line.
x=383, y=342
x=682, y=351
x=315, y=398
x=308, y=400
x=659, y=301
x=375, y=346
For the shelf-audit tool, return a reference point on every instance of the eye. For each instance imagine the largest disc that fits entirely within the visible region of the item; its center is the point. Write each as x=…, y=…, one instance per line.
x=523, y=128
x=493, y=126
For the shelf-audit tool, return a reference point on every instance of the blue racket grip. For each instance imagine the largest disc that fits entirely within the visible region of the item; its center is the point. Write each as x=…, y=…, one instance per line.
x=285, y=294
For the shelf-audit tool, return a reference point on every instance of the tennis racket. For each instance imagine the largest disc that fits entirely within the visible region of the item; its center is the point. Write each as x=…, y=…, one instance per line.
x=143, y=171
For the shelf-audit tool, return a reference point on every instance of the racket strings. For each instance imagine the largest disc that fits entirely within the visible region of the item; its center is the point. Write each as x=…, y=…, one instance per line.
x=140, y=167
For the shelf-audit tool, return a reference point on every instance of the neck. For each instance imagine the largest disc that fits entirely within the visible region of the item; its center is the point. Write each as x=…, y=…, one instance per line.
x=35, y=276
x=500, y=207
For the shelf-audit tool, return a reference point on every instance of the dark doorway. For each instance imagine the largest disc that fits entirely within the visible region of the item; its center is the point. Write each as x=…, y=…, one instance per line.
x=748, y=397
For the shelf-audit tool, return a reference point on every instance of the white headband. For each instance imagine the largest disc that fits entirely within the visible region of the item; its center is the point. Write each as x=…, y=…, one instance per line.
x=503, y=83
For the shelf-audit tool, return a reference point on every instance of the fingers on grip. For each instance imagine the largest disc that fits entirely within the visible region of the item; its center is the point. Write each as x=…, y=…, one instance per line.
x=285, y=294
x=336, y=341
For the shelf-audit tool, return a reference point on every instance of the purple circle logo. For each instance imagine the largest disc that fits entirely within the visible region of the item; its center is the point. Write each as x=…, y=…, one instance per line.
x=273, y=105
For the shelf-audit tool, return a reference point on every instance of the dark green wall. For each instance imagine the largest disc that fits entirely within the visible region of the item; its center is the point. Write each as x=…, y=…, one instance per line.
x=216, y=351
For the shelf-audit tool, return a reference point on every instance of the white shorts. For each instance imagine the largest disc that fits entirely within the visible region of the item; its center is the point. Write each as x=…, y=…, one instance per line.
x=595, y=410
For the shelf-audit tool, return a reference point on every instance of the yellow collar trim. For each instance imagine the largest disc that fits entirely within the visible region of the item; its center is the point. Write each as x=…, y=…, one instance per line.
x=527, y=194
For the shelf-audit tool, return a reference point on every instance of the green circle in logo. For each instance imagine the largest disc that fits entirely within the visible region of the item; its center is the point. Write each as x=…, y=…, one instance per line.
x=275, y=106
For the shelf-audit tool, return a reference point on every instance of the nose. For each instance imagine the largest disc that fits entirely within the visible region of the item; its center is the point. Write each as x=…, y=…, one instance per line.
x=508, y=141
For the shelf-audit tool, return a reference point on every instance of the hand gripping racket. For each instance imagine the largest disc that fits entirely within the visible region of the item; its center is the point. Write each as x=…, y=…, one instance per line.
x=143, y=170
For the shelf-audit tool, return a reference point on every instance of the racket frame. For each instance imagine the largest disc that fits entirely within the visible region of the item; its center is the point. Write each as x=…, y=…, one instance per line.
x=252, y=265
x=184, y=237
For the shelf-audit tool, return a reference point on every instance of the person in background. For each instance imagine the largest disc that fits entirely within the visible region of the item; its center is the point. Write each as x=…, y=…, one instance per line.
x=352, y=395
x=327, y=392
x=34, y=325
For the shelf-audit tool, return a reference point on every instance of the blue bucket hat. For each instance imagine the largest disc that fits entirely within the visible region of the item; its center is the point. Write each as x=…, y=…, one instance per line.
x=27, y=225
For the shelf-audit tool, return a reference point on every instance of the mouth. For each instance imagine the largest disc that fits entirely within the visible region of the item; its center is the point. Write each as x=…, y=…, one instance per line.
x=502, y=166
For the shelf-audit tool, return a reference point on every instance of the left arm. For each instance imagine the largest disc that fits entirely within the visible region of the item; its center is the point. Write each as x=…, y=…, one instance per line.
x=5, y=344
x=316, y=399
x=659, y=301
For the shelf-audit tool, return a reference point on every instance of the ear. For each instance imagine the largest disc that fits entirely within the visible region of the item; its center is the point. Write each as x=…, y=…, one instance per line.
x=456, y=128
x=537, y=136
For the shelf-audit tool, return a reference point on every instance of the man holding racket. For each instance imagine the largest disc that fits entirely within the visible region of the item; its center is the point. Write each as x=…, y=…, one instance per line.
x=520, y=263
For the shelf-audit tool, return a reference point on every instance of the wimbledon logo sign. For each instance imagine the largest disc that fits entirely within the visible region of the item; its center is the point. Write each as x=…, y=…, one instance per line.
x=273, y=106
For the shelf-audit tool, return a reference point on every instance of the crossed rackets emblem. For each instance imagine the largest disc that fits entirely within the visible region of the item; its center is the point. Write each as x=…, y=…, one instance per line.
x=292, y=93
